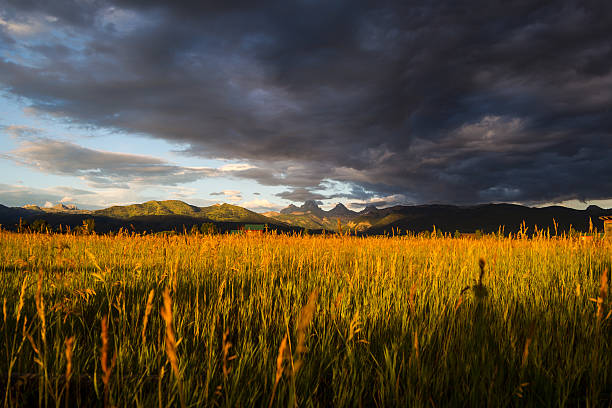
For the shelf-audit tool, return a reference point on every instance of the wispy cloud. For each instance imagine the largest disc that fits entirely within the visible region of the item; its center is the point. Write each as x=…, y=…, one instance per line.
x=230, y=195
x=20, y=132
x=103, y=169
x=261, y=205
x=19, y=195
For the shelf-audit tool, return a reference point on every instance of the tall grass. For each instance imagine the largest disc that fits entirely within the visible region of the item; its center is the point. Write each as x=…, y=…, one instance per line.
x=304, y=320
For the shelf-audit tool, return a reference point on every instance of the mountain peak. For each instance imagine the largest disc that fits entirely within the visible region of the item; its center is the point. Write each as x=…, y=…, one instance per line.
x=594, y=208
x=288, y=210
x=340, y=210
x=310, y=205
x=368, y=209
x=65, y=207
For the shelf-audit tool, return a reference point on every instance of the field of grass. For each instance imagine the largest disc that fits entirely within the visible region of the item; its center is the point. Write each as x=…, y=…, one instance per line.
x=304, y=321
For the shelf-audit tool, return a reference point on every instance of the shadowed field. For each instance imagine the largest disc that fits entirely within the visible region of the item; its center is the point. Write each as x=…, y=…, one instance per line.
x=308, y=320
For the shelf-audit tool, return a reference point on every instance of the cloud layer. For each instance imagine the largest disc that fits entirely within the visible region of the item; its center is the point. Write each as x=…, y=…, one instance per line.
x=103, y=169
x=17, y=195
x=422, y=100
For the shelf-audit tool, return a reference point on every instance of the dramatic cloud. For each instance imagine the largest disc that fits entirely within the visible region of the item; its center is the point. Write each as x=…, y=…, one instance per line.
x=380, y=202
x=447, y=101
x=302, y=194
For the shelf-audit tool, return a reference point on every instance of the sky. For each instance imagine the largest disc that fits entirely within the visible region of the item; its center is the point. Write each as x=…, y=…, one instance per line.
x=267, y=103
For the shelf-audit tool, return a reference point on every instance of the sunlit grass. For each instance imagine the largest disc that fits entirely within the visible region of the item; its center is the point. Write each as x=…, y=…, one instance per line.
x=309, y=320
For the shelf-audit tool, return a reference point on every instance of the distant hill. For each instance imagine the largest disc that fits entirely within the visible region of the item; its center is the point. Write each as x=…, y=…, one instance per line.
x=220, y=213
x=168, y=207
x=177, y=215
x=234, y=213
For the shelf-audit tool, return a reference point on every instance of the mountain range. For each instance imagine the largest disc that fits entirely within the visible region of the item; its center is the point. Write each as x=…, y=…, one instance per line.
x=178, y=215
x=447, y=218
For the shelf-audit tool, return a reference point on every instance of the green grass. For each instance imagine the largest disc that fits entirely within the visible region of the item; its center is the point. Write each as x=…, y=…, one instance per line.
x=389, y=327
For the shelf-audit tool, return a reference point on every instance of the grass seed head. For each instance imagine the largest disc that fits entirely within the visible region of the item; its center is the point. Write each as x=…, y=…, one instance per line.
x=283, y=356
x=145, y=320
x=40, y=307
x=226, y=357
x=411, y=303
x=525, y=352
x=21, y=298
x=306, y=316
x=415, y=345
x=106, y=368
x=166, y=313
x=283, y=350
x=69, y=343
x=603, y=294
x=354, y=326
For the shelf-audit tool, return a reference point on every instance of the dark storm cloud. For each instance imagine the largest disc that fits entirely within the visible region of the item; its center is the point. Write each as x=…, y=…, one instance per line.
x=301, y=194
x=439, y=101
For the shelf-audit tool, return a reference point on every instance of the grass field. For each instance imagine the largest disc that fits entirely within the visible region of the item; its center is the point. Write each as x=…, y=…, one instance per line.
x=309, y=321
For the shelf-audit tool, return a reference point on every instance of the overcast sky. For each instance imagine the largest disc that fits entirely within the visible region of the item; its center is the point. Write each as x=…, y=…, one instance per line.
x=263, y=104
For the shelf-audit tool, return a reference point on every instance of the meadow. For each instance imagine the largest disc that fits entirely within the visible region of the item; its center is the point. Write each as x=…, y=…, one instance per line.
x=278, y=320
